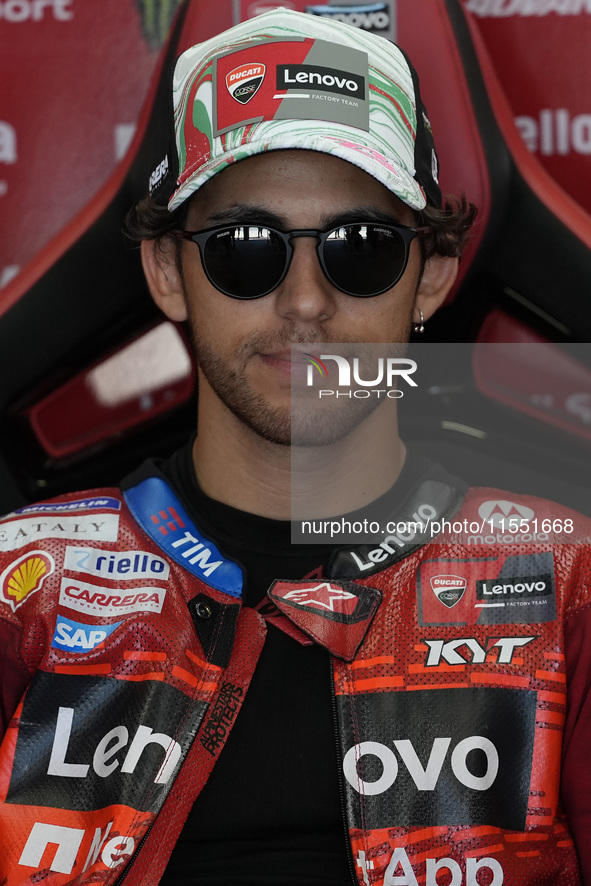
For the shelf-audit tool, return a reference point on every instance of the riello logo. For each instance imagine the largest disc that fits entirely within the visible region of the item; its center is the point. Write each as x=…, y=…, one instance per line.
x=384, y=376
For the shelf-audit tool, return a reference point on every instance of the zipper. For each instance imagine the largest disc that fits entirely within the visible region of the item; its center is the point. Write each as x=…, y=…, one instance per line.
x=335, y=721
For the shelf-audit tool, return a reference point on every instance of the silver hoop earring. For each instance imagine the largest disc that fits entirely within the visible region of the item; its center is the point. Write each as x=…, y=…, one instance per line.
x=420, y=326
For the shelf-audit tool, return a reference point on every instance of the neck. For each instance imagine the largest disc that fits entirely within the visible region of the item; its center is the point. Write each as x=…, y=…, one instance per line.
x=236, y=466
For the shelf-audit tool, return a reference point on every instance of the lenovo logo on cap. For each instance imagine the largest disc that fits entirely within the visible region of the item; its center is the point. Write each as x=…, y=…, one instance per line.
x=245, y=81
x=449, y=589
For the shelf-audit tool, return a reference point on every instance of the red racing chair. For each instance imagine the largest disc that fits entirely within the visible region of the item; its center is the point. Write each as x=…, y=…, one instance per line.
x=83, y=298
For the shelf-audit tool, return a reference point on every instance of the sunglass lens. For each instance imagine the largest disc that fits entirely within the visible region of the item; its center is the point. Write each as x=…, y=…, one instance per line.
x=365, y=260
x=245, y=261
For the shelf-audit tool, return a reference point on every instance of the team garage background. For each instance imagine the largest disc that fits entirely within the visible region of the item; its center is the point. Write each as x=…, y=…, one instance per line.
x=75, y=73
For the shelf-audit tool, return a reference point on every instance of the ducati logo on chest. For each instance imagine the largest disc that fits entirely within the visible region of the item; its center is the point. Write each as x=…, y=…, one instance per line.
x=245, y=81
x=449, y=589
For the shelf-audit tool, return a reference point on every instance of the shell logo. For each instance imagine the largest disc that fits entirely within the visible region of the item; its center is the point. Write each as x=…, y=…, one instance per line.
x=25, y=576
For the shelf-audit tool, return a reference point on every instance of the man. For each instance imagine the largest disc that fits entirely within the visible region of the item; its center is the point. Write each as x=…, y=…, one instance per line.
x=189, y=719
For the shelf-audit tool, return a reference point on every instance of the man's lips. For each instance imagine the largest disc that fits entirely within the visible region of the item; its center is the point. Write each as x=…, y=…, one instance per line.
x=287, y=362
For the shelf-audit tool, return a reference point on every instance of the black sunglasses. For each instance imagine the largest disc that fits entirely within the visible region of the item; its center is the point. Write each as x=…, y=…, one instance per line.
x=249, y=261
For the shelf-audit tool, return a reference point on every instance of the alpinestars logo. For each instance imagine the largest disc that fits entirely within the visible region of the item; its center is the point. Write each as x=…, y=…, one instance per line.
x=449, y=589
x=324, y=596
x=245, y=81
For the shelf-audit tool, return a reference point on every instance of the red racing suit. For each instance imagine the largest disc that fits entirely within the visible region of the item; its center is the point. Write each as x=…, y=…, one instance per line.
x=128, y=655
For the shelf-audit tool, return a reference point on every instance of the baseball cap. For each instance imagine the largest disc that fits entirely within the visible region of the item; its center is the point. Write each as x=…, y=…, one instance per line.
x=289, y=80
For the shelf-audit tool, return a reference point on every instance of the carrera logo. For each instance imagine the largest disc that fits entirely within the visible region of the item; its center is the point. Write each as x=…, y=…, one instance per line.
x=324, y=596
x=25, y=576
x=449, y=589
x=158, y=174
x=321, y=78
x=122, y=566
x=106, y=602
x=76, y=636
x=245, y=81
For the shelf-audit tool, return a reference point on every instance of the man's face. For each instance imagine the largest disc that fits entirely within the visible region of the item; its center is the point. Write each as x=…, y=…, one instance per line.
x=244, y=347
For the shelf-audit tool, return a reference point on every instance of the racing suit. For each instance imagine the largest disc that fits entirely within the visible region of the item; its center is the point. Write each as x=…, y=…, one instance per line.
x=450, y=660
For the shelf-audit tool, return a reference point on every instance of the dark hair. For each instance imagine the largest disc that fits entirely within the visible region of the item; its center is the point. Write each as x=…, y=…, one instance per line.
x=148, y=220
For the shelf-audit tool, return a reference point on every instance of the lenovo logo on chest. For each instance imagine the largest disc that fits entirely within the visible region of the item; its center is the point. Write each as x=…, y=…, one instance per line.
x=438, y=757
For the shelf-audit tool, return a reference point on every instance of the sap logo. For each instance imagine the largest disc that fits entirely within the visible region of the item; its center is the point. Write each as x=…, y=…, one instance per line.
x=8, y=152
x=76, y=636
x=67, y=841
x=447, y=650
x=123, y=565
x=34, y=10
x=417, y=524
x=556, y=133
x=197, y=555
x=505, y=8
x=400, y=871
x=425, y=778
x=104, y=760
x=158, y=174
x=85, y=597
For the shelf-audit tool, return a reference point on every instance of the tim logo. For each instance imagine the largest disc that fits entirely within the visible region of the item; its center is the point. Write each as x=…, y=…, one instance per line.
x=325, y=597
x=449, y=589
x=167, y=521
x=245, y=81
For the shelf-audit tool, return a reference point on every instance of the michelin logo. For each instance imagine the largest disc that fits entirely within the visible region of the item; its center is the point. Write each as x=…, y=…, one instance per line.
x=67, y=507
x=77, y=636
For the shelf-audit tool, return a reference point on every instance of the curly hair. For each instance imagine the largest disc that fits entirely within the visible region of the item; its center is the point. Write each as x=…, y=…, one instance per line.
x=148, y=220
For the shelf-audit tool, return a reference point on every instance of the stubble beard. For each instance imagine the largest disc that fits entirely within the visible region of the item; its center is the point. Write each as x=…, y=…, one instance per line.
x=307, y=421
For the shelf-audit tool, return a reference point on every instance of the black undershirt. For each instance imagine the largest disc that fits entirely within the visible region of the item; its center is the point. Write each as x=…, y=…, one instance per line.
x=271, y=811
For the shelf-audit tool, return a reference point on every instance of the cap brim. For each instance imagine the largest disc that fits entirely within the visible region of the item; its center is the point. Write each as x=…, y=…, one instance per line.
x=380, y=167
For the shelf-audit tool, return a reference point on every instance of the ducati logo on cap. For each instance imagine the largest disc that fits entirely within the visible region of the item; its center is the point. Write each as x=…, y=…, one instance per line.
x=244, y=81
x=449, y=589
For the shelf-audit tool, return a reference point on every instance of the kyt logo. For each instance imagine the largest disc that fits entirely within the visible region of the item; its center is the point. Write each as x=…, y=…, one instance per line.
x=245, y=81
x=450, y=651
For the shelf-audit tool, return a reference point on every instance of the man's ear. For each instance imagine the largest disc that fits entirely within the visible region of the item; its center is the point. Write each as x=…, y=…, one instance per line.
x=439, y=276
x=163, y=277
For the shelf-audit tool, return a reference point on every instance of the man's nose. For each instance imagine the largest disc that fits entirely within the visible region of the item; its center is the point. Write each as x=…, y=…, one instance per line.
x=305, y=294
